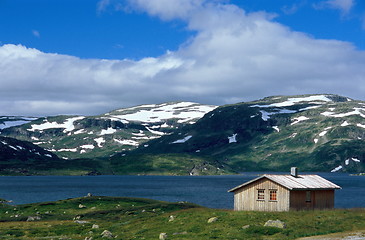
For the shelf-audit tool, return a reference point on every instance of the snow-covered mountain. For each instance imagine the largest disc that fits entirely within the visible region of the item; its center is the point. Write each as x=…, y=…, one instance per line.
x=322, y=132
x=100, y=136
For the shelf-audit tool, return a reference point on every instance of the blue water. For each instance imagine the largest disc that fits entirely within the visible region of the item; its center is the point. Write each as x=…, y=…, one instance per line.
x=209, y=191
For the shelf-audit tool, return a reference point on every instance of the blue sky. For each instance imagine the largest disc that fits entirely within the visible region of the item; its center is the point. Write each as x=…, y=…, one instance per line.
x=92, y=56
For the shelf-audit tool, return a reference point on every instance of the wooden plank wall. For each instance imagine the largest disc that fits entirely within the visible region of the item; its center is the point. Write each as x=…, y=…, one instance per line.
x=320, y=199
x=246, y=197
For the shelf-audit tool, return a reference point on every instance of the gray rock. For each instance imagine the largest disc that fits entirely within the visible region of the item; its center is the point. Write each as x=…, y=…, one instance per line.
x=95, y=226
x=33, y=218
x=245, y=227
x=162, y=236
x=106, y=234
x=81, y=222
x=82, y=206
x=171, y=218
x=212, y=219
x=275, y=223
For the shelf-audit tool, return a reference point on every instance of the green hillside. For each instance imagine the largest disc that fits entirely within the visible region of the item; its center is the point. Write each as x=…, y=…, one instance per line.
x=312, y=132
x=134, y=218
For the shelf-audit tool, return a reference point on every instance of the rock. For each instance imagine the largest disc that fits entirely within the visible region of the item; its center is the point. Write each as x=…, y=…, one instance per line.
x=89, y=195
x=81, y=222
x=275, y=223
x=246, y=226
x=88, y=238
x=172, y=218
x=82, y=206
x=106, y=234
x=212, y=219
x=95, y=226
x=162, y=236
x=33, y=218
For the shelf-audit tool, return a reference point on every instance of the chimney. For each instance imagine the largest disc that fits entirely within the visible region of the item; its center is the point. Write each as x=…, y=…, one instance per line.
x=294, y=171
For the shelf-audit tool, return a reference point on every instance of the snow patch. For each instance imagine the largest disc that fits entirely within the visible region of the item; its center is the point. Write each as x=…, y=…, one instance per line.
x=232, y=139
x=357, y=111
x=337, y=169
x=360, y=125
x=8, y=124
x=87, y=146
x=293, y=135
x=276, y=128
x=183, y=111
x=126, y=142
x=107, y=131
x=315, y=140
x=322, y=133
x=292, y=101
x=182, y=140
x=298, y=119
x=99, y=141
x=66, y=150
x=344, y=124
x=68, y=125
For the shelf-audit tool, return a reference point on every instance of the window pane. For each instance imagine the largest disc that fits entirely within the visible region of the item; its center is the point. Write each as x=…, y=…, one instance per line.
x=273, y=195
x=260, y=194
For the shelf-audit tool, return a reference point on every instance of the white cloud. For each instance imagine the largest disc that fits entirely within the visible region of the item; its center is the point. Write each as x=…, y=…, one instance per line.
x=234, y=56
x=344, y=6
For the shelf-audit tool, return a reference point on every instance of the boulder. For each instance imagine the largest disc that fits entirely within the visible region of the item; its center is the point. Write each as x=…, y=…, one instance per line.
x=81, y=222
x=33, y=218
x=212, y=219
x=171, y=218
x=82, y=206
x=162, y=236
x=106, y=234
x=95, y=226
x=245, y=227
x=275, y=223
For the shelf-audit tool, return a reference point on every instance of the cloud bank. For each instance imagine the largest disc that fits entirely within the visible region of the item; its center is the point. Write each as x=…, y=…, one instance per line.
x=234, y=56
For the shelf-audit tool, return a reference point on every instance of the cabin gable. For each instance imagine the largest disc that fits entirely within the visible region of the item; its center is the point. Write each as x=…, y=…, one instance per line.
x=262, y=195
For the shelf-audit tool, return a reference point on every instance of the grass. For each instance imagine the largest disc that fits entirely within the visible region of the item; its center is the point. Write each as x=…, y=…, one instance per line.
x=134, y=218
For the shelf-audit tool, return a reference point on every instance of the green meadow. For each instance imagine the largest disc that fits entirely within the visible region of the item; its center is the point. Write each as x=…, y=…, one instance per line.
x=98, y=217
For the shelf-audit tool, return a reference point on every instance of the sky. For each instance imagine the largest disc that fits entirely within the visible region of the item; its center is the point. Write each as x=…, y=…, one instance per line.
x=92, y=56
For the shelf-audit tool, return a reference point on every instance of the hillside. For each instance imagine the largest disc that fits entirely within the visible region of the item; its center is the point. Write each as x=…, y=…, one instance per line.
x=312, y=132
x=322, y=132
x=24, y=158
x=103, y=135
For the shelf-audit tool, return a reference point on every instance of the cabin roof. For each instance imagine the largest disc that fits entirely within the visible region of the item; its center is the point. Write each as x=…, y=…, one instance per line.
x=301, y=182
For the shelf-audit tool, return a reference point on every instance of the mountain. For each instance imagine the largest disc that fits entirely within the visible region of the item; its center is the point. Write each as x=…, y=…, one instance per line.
x=321, y=132
x=103, y=135
x=313, y=132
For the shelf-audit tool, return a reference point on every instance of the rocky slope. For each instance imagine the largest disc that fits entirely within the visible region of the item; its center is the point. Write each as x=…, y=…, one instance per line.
x=313, y=132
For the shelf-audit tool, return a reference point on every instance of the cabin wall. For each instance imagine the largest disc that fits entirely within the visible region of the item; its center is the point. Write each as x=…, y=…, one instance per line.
x=319, y=199
x=246, y=198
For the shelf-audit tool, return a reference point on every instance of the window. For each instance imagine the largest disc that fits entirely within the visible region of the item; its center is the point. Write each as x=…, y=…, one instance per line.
x=273, y=195
x=308, y=196
x=260, y=194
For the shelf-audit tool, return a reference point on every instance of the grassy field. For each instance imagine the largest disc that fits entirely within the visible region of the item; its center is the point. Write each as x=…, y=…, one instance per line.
x=133, y=218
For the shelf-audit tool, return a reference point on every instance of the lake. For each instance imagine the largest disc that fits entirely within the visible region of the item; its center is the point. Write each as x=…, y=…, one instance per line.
x=209, y=191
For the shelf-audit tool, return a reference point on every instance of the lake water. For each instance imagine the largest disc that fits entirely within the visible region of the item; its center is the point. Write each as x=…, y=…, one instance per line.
x=209, y=191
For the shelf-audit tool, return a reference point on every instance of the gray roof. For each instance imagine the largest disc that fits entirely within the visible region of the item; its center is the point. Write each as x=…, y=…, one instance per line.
x=302, y=182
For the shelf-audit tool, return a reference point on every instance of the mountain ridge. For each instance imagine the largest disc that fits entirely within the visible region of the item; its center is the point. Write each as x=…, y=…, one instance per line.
x=316, y=132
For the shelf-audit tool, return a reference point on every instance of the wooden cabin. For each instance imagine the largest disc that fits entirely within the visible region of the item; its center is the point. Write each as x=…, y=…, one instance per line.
x=284, y=193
